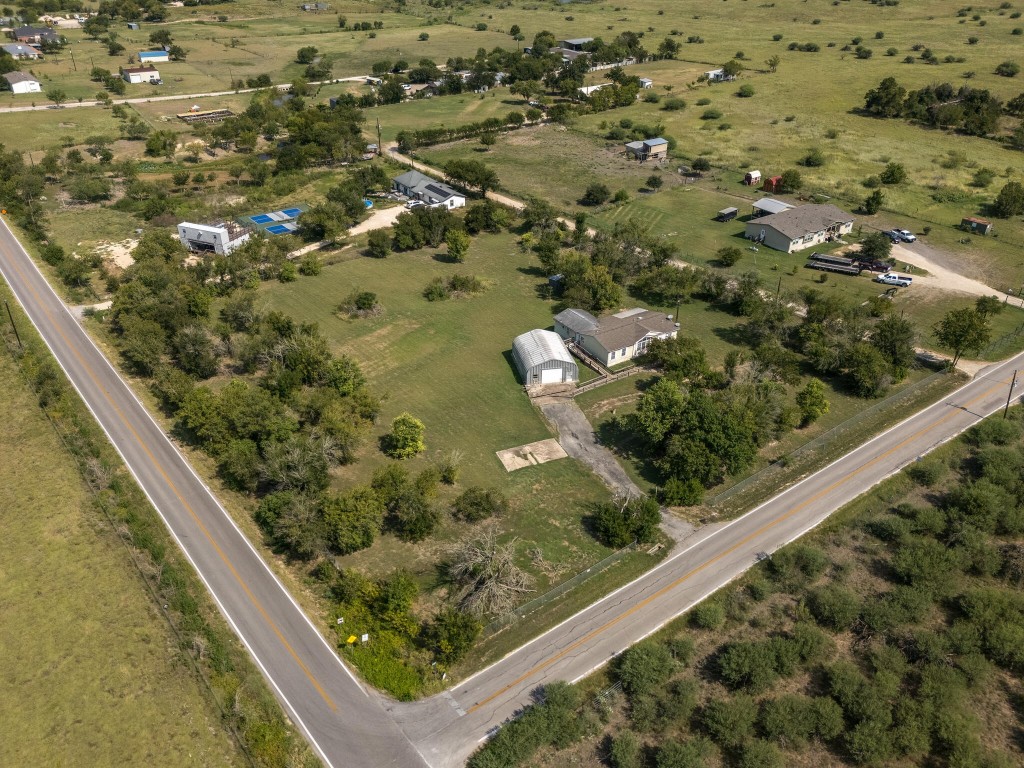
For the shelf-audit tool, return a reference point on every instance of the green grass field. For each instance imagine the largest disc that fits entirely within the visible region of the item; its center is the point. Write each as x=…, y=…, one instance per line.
x=91, y=673
x=449, y=364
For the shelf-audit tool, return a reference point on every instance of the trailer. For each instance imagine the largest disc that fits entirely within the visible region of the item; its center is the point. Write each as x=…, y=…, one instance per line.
x=838, y=264
x=727, y=214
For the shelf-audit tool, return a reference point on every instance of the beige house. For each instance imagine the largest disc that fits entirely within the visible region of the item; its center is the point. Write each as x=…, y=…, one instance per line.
x=802, y=227
x=144, y=74
x=648, y=149
x=614, y=339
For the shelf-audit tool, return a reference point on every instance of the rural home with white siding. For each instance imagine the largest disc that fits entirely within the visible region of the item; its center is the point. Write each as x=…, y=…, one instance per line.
x=802, y=227
x=434, y=193
x=19, y=51
x=614, y=339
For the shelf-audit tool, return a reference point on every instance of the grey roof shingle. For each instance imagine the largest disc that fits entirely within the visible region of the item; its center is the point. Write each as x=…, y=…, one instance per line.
x=805, y=219
x=19, y=77
x=577, y=320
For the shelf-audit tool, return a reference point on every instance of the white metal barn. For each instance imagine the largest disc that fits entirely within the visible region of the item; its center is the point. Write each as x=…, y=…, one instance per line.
x=542, y=358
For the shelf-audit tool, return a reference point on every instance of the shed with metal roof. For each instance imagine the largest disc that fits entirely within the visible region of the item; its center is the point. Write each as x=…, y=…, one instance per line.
x=542, y=358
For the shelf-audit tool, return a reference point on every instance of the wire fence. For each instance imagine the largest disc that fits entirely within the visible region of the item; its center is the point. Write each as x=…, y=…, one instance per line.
x=536, y=604
x=823, y=442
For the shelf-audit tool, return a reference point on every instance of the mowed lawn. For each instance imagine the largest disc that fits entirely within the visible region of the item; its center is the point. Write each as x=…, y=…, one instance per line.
x=449, y=363
x=89, y=669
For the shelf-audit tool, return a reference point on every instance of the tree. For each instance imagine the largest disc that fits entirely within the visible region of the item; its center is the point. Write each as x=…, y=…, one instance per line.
x=458, y=245
x=1008, y=69
x=887, y=99
x=306, y=54
x=451, y=634
x=894, y=337
x=963, y=330
x=791, y=180
x=379, y=244
x=813, y=159
x=812, y=402
x=177, y=53
x=471, y=173
x=595, y=194
x=728, y=256
x=894, y=173
x=488, y=139
x=475, y=504
x=56, y=95
x=622, y=523
x=353, y=519
x=644, y=667
x=654, y=182
x=873, y=203
x=988, y=305
x=732, y=68
x=773, y=63
x=876, y=246
x=487, y=579
x=162, y=144
x=1010, y=201
x=406, y=437
x=730, y=721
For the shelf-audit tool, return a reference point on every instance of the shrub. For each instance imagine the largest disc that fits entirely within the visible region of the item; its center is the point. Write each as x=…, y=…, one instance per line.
x=711, y=114
x=1008, y=69
x=475, y=504
x=674, y=104
x=729, y=721
x=595, y=194
x=728, y=256
x=406, y=437
x=894, y=173
x=927, y=472
x=692, y=753
x=760, y=754
x=834, y=607
x=644, y=667
x=624, y=751
x=749, y=665
x=745, y=91
x=813, y=159
x=707, y=615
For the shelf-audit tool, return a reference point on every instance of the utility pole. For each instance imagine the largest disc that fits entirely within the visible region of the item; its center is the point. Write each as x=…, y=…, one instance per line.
x=16, y=335
x=380, y=146
x=73, y=62
x=1009, y=394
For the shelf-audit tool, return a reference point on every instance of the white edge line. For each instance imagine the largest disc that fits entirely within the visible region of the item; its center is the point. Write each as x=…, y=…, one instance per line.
x=184, y=460
x=681, y=553
x=213, y=594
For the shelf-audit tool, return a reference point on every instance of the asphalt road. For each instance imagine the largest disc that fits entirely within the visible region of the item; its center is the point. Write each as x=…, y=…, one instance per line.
x=349, y=727
x=345, y=723
x=713, y=557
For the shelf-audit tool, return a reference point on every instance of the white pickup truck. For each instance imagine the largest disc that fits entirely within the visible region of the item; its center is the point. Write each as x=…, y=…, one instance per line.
x=891, y=278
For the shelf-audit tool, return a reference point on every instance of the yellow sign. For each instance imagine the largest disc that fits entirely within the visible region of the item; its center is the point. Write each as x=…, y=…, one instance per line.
x=352, y=639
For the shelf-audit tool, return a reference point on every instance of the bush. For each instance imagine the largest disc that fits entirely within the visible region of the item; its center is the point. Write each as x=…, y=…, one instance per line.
x=644, y=667
x=1008, y=69
x=617, y=525
x=692, y=753
x=760, y=754
x=674, y=104
x=834, y=607
x=729, y=721
x=728, y=256
x=927, y=472
x=711, y=114
x=475, y=504
x=813, y=159
x=707, y=615
x=796, y=565
x=748, y=665
x=406, y=437
x=595, y=194
x=745, y=91
x=625, y=751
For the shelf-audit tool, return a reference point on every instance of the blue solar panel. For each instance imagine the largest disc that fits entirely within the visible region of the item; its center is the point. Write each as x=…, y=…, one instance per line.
x=278, y=229
x=262, y=218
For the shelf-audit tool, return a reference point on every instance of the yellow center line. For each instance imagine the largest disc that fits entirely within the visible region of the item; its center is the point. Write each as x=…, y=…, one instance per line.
x=708, y=563
x=177, y=493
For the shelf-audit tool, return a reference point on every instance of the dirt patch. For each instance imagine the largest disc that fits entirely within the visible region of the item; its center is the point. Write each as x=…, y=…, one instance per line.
x=942, y=277
x=611, y=404
x=531, y=454
x=118, y=254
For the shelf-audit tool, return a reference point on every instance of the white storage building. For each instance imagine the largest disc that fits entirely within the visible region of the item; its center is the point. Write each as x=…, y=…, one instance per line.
x=219, y=238
x=542, y=358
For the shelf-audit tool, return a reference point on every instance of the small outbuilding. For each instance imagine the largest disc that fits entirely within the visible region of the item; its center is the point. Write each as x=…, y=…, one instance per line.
x=772, y=184
x=19, y=82
x=646, y=82
x=656, y=149
x=134, y=26
x=154, y=57
x=977, y=226
x=752, y=178
x=542, y=358
x=143, y=74
x=766, y=206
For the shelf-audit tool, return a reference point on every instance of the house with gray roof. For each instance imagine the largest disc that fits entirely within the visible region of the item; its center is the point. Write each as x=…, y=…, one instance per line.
x=614, y=339
x=35, y=35
x=801, y=227
x=428, y=191
x=19, y=51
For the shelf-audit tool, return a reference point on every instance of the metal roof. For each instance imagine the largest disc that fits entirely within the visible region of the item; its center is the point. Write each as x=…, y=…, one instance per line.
x=805, y=219
x=771, y=206
x=537, y=346
x=577, y=320
x=19, y=77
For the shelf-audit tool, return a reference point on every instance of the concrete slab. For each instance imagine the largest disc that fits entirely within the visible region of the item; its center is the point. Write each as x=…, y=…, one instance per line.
x=533, y=453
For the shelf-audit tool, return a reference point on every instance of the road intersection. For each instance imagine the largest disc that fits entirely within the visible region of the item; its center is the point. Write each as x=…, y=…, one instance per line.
x=349, y=725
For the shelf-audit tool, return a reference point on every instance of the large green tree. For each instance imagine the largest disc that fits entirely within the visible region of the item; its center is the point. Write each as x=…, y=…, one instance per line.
x=963, y=330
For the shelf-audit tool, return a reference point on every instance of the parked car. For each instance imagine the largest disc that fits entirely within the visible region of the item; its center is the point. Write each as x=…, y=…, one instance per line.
x=892, y=278
x=414, y=204
x=906, y=235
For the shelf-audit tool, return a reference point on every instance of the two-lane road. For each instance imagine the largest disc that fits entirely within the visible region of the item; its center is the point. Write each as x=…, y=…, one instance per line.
x=344, y=722
x=349, y=727
x=462, y=716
